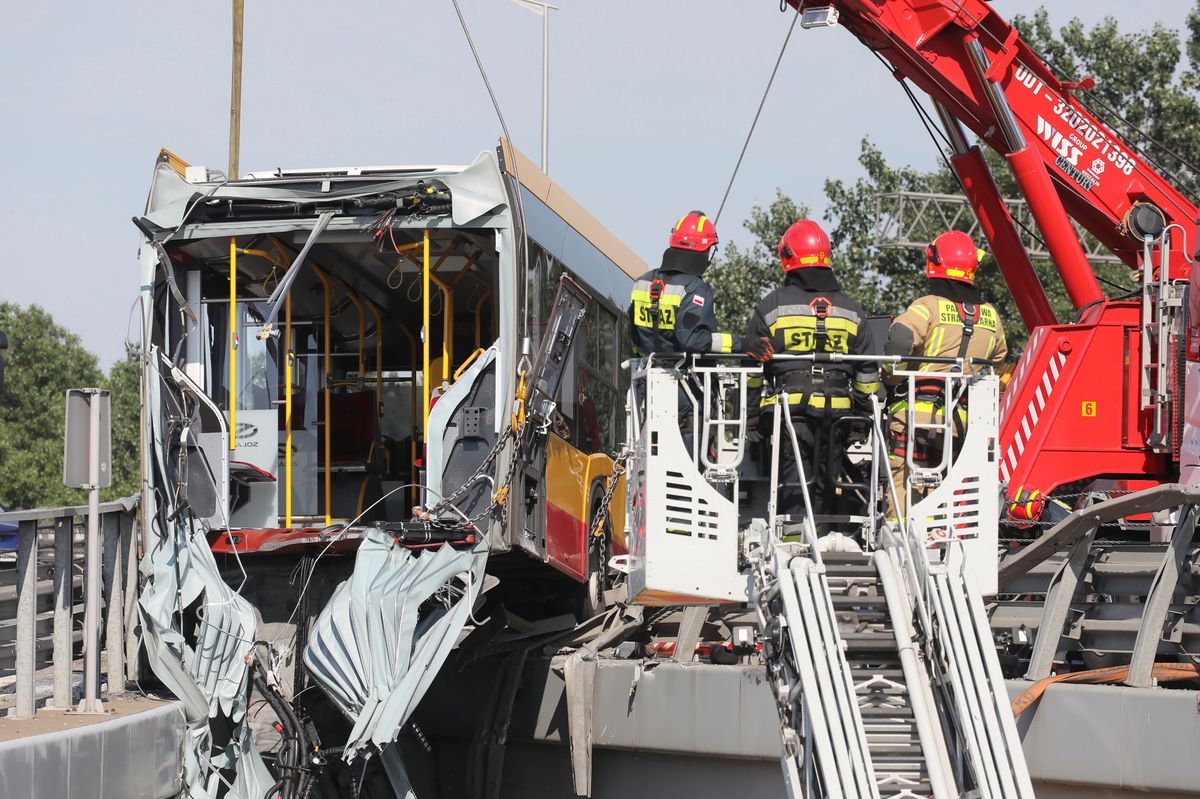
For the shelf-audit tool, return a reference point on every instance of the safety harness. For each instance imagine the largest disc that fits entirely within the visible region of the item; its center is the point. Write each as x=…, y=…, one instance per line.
x=657, y=287
x=813, y=379
x=968, y=314
x=821, y=307
x=931, y=390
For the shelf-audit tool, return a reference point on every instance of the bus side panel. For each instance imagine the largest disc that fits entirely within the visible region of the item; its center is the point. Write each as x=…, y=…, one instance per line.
x=600, y=469
x=566, y=507
x=570, y=478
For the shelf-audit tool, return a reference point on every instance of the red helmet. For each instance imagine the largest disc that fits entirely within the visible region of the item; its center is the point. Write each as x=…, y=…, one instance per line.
x=1025, y=507
x=953, y=255
x=805, y=244
x=694, y=232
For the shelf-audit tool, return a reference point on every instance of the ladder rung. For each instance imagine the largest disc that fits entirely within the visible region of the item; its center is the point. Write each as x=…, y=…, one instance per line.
x=876, y=711
x=842, y=600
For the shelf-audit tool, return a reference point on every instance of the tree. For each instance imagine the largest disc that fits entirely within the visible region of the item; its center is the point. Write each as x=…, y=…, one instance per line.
x=124, y=382
x=741, y=277
x=44, y=360
x=1144, y=89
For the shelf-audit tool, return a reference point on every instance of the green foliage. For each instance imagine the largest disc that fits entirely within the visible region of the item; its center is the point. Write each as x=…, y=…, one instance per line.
x=43, y=361
x=1141, y=75
x=124, y=381
x=743, y=276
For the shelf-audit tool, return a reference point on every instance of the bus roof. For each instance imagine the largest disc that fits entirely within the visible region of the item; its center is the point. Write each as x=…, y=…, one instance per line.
x=539, y=184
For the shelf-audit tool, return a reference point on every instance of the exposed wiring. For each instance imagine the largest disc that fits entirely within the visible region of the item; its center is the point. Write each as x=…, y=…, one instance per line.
x=346, y=527
x=762, y=102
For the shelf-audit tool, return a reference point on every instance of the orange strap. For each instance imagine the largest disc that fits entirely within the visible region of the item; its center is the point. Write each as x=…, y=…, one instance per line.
x=1163, y=672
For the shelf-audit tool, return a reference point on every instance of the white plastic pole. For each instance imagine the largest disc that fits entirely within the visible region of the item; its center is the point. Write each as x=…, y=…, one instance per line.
x=546, y=90
x=91, y=608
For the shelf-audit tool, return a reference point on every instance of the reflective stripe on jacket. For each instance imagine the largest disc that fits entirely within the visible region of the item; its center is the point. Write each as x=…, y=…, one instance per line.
x=801, y=320
x=937, y=329
x=682, y=319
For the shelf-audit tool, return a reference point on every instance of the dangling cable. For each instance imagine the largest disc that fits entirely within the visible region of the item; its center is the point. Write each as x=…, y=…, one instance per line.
x=757, y=113
x=524, y=251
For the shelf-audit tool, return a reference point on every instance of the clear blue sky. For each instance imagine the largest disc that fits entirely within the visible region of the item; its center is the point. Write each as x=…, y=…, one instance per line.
x=650, y=102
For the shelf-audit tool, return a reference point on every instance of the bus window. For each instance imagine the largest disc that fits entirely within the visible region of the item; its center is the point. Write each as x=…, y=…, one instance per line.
x=257, y=359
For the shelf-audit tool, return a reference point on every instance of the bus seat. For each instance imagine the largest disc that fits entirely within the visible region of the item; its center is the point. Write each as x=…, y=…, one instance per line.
x=353, y=433
x=353, y=493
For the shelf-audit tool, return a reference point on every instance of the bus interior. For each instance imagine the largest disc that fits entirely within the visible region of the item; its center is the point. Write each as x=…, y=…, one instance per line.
x=328, y=402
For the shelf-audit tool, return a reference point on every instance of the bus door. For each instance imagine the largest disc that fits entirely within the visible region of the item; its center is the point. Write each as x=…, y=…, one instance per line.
x=243, y=379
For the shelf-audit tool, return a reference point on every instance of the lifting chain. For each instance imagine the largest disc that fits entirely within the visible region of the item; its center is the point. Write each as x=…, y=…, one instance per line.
x=610, y=490
x=501, y=489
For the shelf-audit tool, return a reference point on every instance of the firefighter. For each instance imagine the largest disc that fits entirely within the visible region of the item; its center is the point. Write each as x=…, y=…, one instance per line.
x=810, y=313
x=951, y=320
x=671, y=308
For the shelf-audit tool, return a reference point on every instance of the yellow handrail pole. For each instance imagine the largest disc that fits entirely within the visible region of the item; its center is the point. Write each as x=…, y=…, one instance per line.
x=275, y=259
x=326, y=291
x=425, y=338
x=284, y=259
x=288, y=357
x=447, y=325
x=466, y=269
x=484, y=297
x=449, y=251
x=232, y=344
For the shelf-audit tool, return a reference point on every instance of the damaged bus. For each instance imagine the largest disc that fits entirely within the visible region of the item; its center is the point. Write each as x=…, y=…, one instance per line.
x=344, y=371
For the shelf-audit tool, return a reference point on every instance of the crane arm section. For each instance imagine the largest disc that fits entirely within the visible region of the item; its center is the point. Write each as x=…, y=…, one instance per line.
x=952, y=50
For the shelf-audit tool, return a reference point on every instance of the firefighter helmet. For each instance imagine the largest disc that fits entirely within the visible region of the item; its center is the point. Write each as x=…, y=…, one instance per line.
x=953, y=255
x=695, y=232
x=805, y=244
x=1025, y=507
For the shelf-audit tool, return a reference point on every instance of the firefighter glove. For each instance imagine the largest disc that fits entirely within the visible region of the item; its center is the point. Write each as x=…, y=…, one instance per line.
x=760, y=349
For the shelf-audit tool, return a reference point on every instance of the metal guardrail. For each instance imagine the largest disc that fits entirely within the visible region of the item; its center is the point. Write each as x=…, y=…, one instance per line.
x=35, y=633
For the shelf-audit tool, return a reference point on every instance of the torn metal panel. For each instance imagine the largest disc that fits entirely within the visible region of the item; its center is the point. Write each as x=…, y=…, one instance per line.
x=475, y=190
x=379, y=642
x=205, y=667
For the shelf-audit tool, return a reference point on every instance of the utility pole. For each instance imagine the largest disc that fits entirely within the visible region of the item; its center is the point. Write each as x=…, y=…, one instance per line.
x=543, y=10
x=235, y=94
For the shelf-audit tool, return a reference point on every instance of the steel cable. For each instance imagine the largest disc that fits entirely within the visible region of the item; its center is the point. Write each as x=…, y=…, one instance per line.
x=757, y=114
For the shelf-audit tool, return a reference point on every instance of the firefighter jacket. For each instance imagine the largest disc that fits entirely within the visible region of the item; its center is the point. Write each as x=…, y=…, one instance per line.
x=940, y=322
x=811, y=314
x=671, y=310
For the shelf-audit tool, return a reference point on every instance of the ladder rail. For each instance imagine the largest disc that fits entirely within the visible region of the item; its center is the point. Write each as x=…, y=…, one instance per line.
x=964, y=663
x=975, y=623
x=816, y=725
x=840, y=741
x=959, y=680
x=826, y=619
x=852, y=743
x=929, y=729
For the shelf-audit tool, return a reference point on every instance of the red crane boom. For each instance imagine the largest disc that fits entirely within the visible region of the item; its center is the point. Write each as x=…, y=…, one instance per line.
x=1101, y=398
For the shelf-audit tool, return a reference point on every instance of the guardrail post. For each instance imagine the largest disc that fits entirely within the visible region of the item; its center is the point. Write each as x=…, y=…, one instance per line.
x=26, y=643
x=130, y=539
x=114, y=605
x=63, y=597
